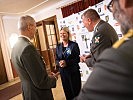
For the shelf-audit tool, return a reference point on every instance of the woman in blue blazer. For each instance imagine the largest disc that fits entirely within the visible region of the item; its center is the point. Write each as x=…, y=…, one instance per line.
x=67, y=58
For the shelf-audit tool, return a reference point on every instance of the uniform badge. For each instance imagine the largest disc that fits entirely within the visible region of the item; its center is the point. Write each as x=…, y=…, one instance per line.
x=97, y=39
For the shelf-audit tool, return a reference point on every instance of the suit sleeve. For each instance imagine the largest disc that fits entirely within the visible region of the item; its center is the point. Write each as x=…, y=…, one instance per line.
x=36, y=70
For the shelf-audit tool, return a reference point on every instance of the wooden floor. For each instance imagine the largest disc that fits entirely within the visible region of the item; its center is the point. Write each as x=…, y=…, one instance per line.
x=58, y=92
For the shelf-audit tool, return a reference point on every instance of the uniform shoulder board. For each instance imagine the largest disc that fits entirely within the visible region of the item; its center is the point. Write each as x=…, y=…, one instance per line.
x=124, y=38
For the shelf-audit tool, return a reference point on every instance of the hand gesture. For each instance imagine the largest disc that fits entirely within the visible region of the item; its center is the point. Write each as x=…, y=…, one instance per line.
x=62, y=63
x=55, y=75
x=84, y=57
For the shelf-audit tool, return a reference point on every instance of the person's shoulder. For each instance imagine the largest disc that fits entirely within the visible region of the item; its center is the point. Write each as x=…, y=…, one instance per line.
x=126, y=45
x=105, y=24
x=101, y=27
x=106, y=29
x=73, y=42
x=102, y=23
x=23, y=42
x=126, y=40
x=123, y=51
x=108, y=52
x=70, y=41
x=59, y=44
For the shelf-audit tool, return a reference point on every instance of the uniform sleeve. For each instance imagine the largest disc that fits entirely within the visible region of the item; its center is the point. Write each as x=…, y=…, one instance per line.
x=36, y=69
x=90, y=62
x=111, y=78
x=100, y=42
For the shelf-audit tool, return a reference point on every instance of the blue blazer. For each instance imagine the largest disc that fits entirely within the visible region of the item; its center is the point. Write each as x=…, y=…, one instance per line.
x=72, y=59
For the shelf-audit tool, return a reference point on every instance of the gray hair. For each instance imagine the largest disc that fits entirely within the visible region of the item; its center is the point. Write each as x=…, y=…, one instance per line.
x=24, y=21
x=124, y=20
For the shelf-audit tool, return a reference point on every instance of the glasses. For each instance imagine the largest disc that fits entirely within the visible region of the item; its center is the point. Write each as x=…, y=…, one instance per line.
x=110, y=6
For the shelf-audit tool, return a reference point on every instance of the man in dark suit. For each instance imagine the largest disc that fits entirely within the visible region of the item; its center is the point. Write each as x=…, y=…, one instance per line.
x=112, y=77
x=104, y=36
x=36, y=84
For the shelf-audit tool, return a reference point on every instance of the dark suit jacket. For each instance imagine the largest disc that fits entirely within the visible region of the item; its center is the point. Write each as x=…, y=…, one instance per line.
x=36, y=84
x=112, y=78
x=72, y=60
x=104, y=37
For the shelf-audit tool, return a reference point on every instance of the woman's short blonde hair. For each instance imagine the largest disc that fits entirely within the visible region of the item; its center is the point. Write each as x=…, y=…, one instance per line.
x=66, y=29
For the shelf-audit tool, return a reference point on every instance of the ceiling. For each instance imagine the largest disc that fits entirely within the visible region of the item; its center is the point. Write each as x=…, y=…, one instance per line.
x=17, y=7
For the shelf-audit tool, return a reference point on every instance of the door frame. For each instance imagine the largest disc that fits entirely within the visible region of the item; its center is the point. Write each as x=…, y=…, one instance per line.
x=3, y=74
x=43, y=23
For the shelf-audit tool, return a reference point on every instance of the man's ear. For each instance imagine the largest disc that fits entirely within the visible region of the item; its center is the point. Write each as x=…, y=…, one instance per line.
x=89, y=20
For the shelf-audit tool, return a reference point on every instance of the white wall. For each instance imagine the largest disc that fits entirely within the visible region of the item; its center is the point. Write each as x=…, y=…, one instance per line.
x=48, y=13
x=10, y=27
x=52, y=10
x=10, y=23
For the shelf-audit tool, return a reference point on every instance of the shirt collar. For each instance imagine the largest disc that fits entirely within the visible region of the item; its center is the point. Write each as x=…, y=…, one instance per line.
x=96, y=25
x=25, y=37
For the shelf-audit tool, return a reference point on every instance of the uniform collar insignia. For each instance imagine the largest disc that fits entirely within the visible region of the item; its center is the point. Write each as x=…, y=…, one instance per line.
x=97, y=39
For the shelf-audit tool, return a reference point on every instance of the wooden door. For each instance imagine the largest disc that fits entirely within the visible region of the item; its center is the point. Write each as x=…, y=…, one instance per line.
x=43, y=50
x=47, y=37
x=51, y=41
x=3, y=75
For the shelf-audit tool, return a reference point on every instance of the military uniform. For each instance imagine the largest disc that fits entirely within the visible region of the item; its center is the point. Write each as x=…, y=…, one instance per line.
x=112, y=77
x=104, y=37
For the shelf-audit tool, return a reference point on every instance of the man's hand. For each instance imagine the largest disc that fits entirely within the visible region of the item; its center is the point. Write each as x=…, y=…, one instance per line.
x=84, y=57
x=55, y=75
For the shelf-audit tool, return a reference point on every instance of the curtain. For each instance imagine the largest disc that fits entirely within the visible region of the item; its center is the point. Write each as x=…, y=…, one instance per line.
x=78, y=6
